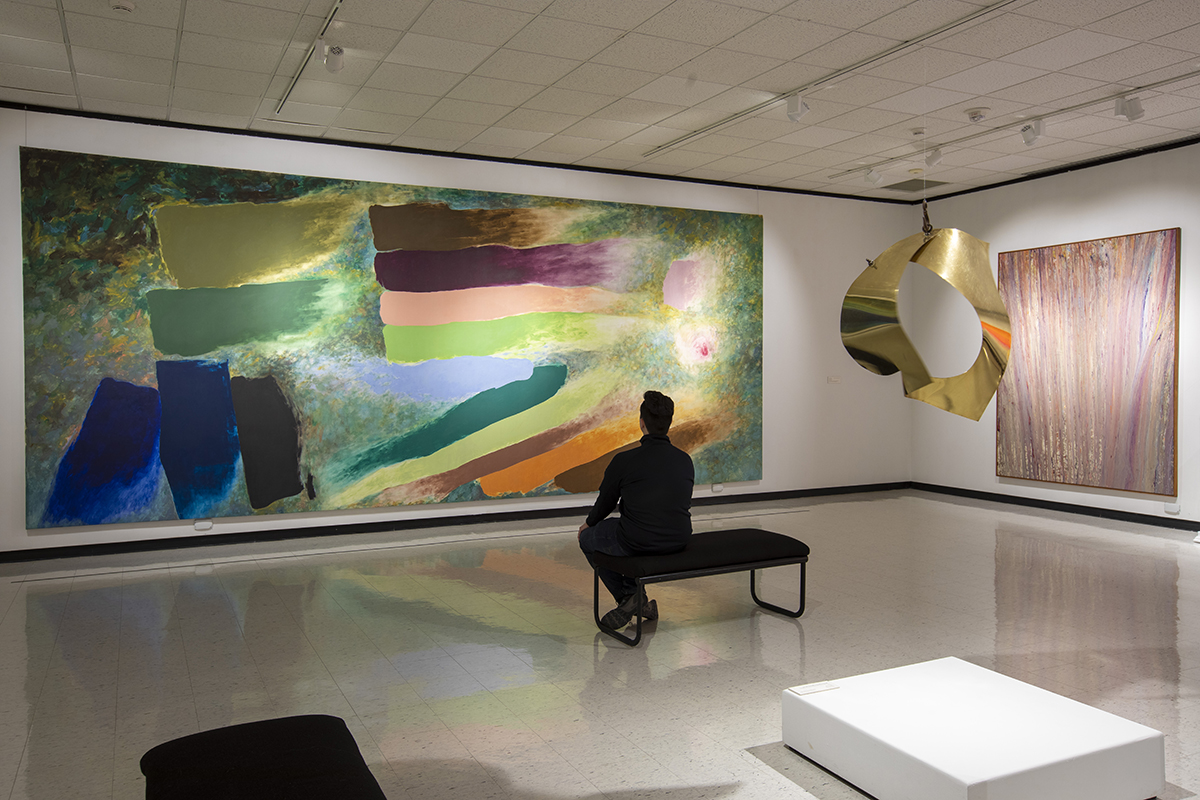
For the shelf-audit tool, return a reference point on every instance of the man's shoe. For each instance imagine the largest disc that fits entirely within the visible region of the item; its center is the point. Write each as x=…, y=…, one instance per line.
x=620, y=616
x=650, y=610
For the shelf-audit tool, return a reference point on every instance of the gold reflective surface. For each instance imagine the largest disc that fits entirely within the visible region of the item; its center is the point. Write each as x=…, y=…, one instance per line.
x=872, y=334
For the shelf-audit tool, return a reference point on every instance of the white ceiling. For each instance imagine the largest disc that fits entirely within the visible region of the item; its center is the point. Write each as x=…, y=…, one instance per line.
x=607, y=83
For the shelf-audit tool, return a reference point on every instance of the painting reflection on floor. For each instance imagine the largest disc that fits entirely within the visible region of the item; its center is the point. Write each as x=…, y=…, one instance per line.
x=466, y=663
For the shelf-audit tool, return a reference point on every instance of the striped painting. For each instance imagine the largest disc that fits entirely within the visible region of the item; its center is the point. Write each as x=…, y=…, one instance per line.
x=204, y=342
x=1089, y=398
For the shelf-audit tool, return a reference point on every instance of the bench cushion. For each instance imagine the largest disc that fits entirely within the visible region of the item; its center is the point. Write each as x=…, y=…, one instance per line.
x=711, y=550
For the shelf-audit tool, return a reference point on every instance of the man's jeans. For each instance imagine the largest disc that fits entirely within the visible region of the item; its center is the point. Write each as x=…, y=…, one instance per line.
x=602, y=538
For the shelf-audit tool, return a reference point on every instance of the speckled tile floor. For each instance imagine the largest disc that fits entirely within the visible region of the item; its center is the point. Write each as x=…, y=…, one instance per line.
x=466, y=663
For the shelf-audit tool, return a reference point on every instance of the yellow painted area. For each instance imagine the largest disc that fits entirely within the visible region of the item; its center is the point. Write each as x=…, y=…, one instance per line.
x=533, y=472
x=232, y=244
x=573, y=400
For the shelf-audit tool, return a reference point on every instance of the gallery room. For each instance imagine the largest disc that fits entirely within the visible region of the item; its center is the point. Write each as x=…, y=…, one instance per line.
x=325, y=319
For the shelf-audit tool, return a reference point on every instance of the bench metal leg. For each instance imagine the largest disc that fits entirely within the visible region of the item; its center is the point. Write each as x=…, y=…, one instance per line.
x=632, y=642
x=772, y=607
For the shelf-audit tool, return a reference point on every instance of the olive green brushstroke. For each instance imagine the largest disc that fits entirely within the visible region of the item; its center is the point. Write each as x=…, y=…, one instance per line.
x=236, y=243
x=191, y=322
x=410, y=344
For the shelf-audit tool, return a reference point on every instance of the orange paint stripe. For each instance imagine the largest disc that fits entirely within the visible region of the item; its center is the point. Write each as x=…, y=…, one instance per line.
x=533, y=472
x=496, y=302
x=1002, y=336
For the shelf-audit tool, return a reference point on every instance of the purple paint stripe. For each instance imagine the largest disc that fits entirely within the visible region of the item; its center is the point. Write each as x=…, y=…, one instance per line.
x=604, y=263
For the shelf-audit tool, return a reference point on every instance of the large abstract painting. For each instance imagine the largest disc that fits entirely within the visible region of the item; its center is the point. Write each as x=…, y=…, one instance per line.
x=1090, y=394
x=208, y=342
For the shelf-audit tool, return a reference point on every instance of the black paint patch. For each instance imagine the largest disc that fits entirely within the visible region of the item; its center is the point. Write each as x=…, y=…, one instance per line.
x=269, y=434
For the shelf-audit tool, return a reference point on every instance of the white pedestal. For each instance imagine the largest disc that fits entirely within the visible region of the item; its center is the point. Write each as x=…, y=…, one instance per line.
x=951, y=730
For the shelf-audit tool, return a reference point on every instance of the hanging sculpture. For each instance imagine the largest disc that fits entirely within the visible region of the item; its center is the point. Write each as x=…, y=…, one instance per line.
x=872, y=334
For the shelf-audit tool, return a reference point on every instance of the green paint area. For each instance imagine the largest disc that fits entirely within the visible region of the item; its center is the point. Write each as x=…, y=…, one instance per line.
x=410, y=344
x=468, y=417
x=192, y=322
x=235, y=243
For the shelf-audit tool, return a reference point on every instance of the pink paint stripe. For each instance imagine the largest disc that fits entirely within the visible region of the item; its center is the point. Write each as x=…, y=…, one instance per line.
x=496, y=302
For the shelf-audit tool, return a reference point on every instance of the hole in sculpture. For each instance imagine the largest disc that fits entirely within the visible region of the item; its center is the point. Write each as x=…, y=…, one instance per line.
x=939, y=321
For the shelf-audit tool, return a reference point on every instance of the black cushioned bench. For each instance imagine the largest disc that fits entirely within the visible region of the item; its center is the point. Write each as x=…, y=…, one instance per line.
x=711, y=553
x=298, y=758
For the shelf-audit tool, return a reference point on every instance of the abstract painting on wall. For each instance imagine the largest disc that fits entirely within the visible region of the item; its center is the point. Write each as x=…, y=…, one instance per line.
x=1090, y=394
x=210, y=342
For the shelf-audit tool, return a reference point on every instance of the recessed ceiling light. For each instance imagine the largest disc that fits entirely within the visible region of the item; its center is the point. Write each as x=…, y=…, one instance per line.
x=977, y=115
x=124, y=6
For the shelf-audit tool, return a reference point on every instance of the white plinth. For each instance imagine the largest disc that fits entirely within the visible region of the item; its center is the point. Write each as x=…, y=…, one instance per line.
x=951, y=730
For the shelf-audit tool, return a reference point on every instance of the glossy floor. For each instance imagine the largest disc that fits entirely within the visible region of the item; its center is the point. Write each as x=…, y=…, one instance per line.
x=467, y=665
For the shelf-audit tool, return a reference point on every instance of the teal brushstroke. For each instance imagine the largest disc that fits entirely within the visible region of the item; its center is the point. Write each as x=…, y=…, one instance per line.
x=468, y=417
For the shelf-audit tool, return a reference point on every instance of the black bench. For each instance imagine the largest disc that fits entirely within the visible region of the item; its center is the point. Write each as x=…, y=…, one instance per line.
x=712, y=553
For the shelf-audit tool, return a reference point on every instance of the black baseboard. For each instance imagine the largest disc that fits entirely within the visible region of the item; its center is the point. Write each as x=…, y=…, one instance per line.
x=578, y=512
x=1068, y=508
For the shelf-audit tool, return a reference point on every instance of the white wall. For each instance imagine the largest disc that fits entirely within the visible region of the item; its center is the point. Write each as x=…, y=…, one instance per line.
x=1148, y=193
x=820, y=434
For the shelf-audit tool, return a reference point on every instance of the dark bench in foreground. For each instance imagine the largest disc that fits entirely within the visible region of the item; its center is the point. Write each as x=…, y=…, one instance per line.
x=712, y=553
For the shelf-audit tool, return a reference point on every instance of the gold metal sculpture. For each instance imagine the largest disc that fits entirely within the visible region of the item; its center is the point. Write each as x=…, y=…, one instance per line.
x=872, y=334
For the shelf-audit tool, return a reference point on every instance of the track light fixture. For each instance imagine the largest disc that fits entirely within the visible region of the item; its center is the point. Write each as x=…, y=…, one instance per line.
x=872, y=177
x=1130, y=108
x=796, y=107
x=1033, y=131
x=933, y=157
x=332, y=55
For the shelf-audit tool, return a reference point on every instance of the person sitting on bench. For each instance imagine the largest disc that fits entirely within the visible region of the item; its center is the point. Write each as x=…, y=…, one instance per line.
x=652, y=485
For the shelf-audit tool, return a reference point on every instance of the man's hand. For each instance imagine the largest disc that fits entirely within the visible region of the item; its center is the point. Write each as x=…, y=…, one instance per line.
x=582, y=528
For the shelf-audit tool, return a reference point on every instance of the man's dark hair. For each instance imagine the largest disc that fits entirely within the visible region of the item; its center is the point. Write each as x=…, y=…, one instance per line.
x=656, y=411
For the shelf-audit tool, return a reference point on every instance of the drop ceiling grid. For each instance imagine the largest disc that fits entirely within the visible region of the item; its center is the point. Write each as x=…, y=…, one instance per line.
x=602, y=84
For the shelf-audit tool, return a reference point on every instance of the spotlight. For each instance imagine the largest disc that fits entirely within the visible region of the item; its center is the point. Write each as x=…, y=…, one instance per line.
x=1033, y=131
x=796, y=107
x=1130, y=108
x=332, y=55
x=872, y=177
x=933, y=157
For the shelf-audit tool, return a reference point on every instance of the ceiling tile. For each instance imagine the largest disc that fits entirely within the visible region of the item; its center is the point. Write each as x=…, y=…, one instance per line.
x=470, y=22
x=786, y=78
x=34, y=53
x=1130, y=63
x=354, y=135
x=1068, y=50
x=761, y=128
x=1187, y=39
x=385, y=102
x=298, y=112
x=701, y=22
x=845, y=14
x=610, y=129
x=211, y=102
x=30, y=22
x=987, y=78
x=475, y=147
x=605, y=79
x=650, y=53
x=677, y=91
x=861, y=89
x=510, y=137
x=531, y=67
x=321, y=93
x=575, y=145
x=567, y=101
x=718, y=144
x=782, y=38
x=198, y=76
x=1048, y=88
x=471, y=112
x=38, y=80
x=924, y=65
x=847, y=50
x=121, y=65
x=358, y=119
x=448, y=130
x=923, y=99
x=383, y=13
x=210, y=119
x=917, y=18
x=120, y=36
x=563, y=38
x=240, y=21
x=866, y=120
x=736, y=100
x=717, y=65
x=1151, y=19
x=814, y=136
x=195, y=48
x=414, y=80
x=95, y=87
x=287, y=128
x=527, y=119
x=493, y=90
x=362, y=41
x=417, y=50
x=689, y=119
x=995, y=37
x=124, y=109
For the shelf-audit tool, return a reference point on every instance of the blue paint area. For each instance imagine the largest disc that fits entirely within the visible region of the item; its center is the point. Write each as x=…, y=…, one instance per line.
x=452, y=379
x=199, y=450
x=111, y=471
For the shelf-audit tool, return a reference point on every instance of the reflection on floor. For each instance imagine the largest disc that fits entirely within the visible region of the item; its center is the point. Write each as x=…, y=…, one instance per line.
x=467, y=665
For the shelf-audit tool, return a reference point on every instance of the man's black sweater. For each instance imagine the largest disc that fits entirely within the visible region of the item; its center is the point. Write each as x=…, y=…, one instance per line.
x=653, y=484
